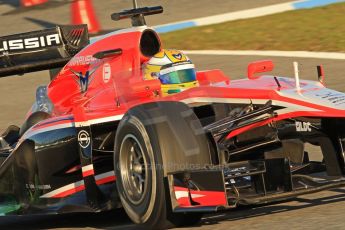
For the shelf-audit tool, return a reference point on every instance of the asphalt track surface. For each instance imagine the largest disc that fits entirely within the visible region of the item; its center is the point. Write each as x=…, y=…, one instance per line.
x=58, y=12
x=324, y=210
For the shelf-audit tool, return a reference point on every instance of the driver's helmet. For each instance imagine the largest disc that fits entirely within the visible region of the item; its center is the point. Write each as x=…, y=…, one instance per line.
x=173, y=68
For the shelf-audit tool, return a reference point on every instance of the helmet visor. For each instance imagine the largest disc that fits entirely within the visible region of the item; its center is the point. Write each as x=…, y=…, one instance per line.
x=178, y=77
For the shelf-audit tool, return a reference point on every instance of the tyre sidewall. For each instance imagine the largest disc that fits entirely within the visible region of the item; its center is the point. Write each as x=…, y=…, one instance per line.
x=150, y=210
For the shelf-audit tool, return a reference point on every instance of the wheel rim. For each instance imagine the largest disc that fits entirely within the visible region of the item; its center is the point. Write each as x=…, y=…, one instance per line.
x=134, y=169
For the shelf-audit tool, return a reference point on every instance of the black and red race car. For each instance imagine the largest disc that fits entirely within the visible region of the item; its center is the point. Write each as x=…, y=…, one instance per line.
x=100, y=137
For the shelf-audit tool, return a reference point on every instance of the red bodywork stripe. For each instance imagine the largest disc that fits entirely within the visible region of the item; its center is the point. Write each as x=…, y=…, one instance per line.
x=82, y=187
x=204, y=198
x=106, y=180
x=70, y=192
x=88, y=173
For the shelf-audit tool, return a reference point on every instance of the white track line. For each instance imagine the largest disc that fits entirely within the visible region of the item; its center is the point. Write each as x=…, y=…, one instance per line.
x=273, y=53
x=243, y=14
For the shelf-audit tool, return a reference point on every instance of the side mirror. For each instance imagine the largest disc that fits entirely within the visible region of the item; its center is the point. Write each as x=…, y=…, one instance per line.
x=142, y=89
x=147, y=85
x=259, y=67
x=211, y=76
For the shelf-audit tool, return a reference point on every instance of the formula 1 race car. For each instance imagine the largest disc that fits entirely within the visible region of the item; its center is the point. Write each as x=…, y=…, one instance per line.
x=101, y=136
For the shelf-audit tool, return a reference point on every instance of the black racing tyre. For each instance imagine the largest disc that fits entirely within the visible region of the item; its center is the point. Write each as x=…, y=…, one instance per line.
x=143, y=142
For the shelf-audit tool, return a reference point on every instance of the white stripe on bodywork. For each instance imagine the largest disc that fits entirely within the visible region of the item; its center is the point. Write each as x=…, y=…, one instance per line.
x=63, y=189
x=290, y=107
x=104, y=175
x=31, y=132
x=87, y=168
x=184, y=194
x=98, y=121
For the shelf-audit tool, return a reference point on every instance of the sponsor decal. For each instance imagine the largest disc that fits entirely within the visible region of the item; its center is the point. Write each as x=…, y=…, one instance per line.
x=177, y=56
x=39, y=186
x=106, y=72
x=334, y=97
x=303, y=126
x=84, y=139
x=84, y=80
x=30, y=43
x=83, y=60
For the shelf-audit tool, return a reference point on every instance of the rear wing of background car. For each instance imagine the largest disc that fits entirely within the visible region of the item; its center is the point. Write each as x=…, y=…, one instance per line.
x=41, y=50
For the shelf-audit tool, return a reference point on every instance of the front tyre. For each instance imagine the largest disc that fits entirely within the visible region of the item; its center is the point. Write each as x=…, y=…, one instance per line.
x=139, y=181
x=143, y=141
